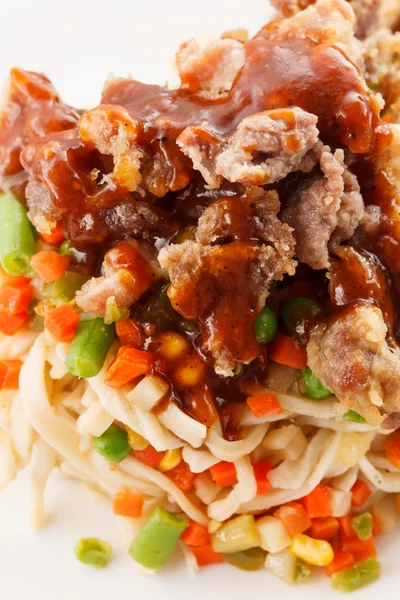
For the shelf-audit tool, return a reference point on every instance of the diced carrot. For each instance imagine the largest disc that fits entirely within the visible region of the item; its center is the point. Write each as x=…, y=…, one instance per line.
x=200, y=403
x=61, y=321
x=128, y=504
x=9, y=374
x=376, y=525
x=130, y=332
x=261, y=470
x=392, y=449
x=294, y=518
x=127, y=365
x=7, y=279
x=15, y=298
x=341, y=560
x=196, y=535
x=149, y=456
x=49, y=265
x=55, y=237
x=264, y=404
x=224, y=473
x=346, y=528
x=324, y=528
x=318, y=502
x=285, y=351
x=360, y=493
x=182, y=476
x=10, y=324
x=205, y=555
x=360, y=549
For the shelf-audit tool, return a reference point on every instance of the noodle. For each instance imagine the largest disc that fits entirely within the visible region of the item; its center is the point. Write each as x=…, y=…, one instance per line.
x=232, y=451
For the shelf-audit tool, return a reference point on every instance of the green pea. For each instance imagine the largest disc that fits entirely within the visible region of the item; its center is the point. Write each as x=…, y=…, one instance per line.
x=354, y=578
x=112, y=444
x=313, y=386
x=362, y=525
x=266, y=325
x=92, y=551
x=352, y=415
x=247, y=560
x=297, y=311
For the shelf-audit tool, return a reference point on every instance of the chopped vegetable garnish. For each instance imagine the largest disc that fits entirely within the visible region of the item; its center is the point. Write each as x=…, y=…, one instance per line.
x=247, y=560
x=196, y=535
x=324, y=528
x=261, y=470
x=318, y=503
x=55, y=237
x=127, y=365
x=205, y=555
x=360, y=493
x=136, y=441
x=62, y=322
x=89, y=348
x=128, y=504
x=314, y=552
x=360, y=549
x=17, y=244
x=15, y=298
x=352, y=415
x=10, y=324
x=64, y=289
x=266, y=325
x=66, y=249
x=224, y=473
x=50, y=265
x=113, y=312
x=313, y=386
x=362, y=525
x=298, y=310
x=356, y=577
x=170, y=460
x=157, y=539
x=148, y=455
x=9, y=374
x=182, y=476
x=294, y=518
x=341, y=560
x=303, y=572
x=285, y=351
x=112, y=444
x=92, y=551
x=264, y=404
x=130, y=333
x=238, y=534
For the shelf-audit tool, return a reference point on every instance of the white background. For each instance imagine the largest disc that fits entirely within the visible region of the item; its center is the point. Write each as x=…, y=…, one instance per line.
x=77, y=43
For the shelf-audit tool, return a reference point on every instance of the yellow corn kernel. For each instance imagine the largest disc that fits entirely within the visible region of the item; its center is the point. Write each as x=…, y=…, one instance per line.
x=170, y=460
x=313, y=552
x=171, y=345
x=136, y=441
x=189, y=372
x=213, y=526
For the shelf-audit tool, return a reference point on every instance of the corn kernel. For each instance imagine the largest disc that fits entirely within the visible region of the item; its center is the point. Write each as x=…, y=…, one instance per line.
x=135, y=440
x=214, y=525
x=171, y=345
x=170, y=460
x=313, y=552
x=189, y=373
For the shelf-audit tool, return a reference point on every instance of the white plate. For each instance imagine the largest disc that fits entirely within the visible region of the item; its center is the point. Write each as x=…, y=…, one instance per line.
x=77, y=43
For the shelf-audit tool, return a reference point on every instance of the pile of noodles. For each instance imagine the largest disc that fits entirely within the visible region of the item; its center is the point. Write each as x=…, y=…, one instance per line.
x=49, y=423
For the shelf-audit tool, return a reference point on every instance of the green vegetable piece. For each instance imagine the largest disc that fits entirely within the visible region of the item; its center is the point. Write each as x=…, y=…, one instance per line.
x=112, y=444
x=303, y=572
x=362, y=525
x=63, y=290
x=113, y=312
x=156, y=541
x=352, y=415
x=92, y=551
x=157, y=308
x=313, y=386
x=297, y=311
x=248, y=560
x=189, y=326
x=66, y=249
x=17, y=242
x=236, y=535
x=89, y=348
x=354, y=578
x=266, y=325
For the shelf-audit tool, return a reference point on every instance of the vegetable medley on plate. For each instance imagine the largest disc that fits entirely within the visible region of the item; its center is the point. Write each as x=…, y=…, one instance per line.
x=199, y=296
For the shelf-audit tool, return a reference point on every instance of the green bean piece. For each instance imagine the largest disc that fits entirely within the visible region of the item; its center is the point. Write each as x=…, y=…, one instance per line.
x=157, y=539
x=297, y=311
x=92, y=551
x=157, y=309
x=89, y=348
x=362, y=525
x=354, y=578
x=247, y=560
x=303, y=572
x=63, y=290
x=112, y=444
x=352, y=415
x=266, y=325
x=17, y=242
x=313, y=386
